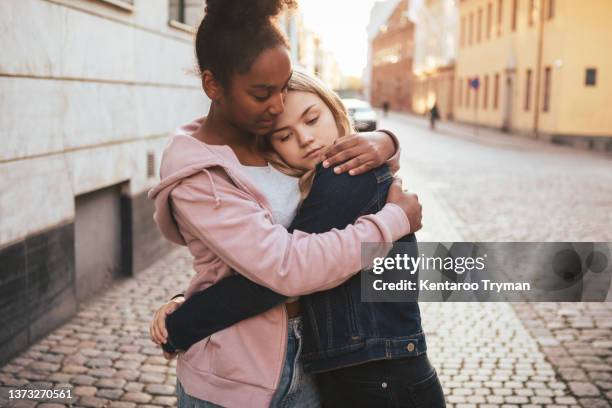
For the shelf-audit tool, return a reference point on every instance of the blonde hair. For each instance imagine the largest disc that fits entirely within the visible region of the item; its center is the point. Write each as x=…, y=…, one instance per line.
x=303, y=82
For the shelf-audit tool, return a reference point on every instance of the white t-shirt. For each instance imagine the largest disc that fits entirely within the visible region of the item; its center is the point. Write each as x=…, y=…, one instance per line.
x=281, y=191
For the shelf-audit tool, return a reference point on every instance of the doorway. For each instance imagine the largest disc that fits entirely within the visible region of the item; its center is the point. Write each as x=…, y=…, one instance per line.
x=98, y=240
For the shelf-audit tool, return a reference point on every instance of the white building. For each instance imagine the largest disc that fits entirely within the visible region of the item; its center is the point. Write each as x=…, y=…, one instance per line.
x=90, y=90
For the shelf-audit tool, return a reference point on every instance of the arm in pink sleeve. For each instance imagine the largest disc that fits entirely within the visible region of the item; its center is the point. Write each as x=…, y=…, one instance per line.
x=241, y=233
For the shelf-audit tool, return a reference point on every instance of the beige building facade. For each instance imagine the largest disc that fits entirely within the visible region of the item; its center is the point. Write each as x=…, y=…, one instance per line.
x=541, y=65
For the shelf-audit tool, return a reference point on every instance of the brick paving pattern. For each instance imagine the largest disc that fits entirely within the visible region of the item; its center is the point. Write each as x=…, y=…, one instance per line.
x=104, y=355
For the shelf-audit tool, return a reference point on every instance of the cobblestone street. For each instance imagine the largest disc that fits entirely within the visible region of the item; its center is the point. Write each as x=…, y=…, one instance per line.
x=482, y=185
x=489, y=187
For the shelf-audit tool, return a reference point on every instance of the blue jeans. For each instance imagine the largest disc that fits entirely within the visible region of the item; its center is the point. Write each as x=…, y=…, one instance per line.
x=296, y=388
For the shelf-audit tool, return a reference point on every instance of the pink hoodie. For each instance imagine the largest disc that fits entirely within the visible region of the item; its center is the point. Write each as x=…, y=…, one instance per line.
x=206, y=202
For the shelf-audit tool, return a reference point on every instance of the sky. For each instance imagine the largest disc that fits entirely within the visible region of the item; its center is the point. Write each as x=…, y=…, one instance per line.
x=342, y=27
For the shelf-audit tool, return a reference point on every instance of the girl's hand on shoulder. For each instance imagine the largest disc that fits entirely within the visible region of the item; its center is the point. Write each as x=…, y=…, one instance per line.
x=157, y=328
x=359, y=152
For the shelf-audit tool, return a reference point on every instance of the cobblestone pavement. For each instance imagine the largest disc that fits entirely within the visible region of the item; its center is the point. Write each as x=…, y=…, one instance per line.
x=487, y=187
x=104, y=355
x=494, y=187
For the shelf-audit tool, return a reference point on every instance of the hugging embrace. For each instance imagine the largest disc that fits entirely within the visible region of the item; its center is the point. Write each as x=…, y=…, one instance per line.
x=273, y=194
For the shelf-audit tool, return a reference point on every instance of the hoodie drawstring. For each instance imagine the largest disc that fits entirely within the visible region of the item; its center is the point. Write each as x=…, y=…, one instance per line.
x=217, y=199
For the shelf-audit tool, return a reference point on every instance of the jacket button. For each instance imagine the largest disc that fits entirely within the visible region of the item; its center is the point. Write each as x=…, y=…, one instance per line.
x=410, y=346
x=384, y=385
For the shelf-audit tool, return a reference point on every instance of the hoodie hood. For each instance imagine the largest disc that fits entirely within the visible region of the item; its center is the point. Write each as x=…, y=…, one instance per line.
x=184, y=156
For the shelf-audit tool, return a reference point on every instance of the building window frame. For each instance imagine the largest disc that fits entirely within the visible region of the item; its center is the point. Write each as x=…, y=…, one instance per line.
x=547, y=89
x=479, y=28
x=500, y=17
x=124, y=5
x=462, y=34
x=590, y=77
x=180, y=22
x=496, y=92
x=489, y=20
x=550, y=9
x=514, y=14
x=471, y=28
x=530, y=17
x=528, y=85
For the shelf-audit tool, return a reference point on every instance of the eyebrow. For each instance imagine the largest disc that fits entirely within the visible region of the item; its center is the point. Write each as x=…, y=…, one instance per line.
x=268, y=86
x=301, y=116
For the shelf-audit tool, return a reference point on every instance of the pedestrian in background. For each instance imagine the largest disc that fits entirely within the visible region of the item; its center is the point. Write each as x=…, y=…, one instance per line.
x=434, y=115
x=385, y=107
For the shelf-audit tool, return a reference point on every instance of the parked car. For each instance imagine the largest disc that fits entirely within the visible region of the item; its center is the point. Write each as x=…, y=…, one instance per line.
x=362, y=115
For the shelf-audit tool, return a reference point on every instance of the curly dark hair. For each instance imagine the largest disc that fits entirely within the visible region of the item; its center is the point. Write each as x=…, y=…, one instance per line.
x=234, y=32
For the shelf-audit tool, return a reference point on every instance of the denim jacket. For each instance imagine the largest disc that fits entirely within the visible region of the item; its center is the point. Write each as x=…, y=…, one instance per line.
x=339, y=329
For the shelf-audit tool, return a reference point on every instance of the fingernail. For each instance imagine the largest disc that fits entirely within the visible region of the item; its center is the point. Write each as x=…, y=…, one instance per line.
x=326, y=164
x=337, y=170
x=352, y=172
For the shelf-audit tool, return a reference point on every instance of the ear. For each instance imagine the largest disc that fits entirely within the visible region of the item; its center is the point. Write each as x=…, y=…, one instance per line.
x=211, y=86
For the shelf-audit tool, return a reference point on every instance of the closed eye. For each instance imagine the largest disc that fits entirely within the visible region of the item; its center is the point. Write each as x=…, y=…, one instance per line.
x=285, y=137
x=312, y=121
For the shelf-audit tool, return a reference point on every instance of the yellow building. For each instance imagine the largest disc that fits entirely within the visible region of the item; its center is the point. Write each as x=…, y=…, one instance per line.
x=543, y=67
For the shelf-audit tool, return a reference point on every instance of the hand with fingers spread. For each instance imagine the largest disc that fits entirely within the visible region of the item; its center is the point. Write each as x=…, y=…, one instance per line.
x=409, y=202
x=359, y=153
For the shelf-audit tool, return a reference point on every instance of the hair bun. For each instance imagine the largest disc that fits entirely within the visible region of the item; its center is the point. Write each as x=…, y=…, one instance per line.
x=235, y=13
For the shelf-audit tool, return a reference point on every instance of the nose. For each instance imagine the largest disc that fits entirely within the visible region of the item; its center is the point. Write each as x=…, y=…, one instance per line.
x=277, y=105
x=304, y=138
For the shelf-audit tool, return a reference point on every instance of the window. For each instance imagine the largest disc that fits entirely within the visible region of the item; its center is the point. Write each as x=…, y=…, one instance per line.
x=462, y=33
x=177, y=10
x=591, y=77
x=188, y=12
x=479, y=33
x=460, y=92
x=489, y=19
x=550, y=9
x=514, y=13
x=528, y=90
x=500, y=16
x=467, y=93
x=496, y=92
x=471, y=35
x=547, y=81
x=485, y=101
x=531, y=12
